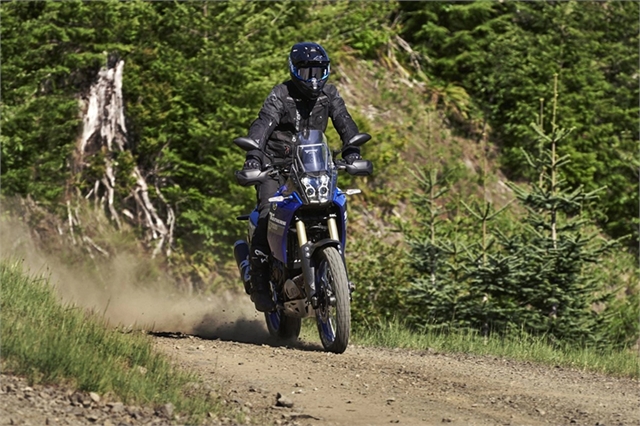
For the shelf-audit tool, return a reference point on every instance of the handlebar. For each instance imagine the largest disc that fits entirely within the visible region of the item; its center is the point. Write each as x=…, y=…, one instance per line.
x=256, y=176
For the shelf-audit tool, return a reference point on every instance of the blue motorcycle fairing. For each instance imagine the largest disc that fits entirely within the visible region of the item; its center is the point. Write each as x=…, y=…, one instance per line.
x=253, y=217
x=279, y=220
x=281, y=217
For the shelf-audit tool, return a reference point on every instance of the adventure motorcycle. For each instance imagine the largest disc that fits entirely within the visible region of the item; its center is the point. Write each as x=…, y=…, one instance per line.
x=307, y=229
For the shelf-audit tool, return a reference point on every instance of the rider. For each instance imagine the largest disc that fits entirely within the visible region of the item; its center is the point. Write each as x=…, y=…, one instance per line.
x=305, y=101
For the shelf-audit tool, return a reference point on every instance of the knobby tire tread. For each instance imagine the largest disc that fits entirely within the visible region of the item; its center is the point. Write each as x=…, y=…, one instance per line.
x=340, y=286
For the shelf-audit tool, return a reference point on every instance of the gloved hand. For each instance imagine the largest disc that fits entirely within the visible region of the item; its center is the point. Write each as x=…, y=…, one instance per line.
x=251, y=164
x=350, y=158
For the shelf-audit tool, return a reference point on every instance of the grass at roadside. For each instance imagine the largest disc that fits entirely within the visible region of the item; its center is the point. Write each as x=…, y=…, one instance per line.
x=51, y=343
x=521, y=347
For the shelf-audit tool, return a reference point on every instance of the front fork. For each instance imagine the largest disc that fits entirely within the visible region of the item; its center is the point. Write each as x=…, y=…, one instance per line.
x=302, y=231
x=306, y=253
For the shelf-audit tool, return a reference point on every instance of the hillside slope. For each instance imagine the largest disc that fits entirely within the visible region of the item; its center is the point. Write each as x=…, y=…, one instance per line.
x=409, y=135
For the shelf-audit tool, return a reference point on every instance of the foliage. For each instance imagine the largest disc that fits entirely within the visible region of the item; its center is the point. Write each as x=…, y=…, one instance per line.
x=197, y=72
x=434, y=295
x=43, y=67
x=191, y=92
x=557, y=248
x=195, y=76
x=379, y=272
x=617, y=273
x=504, y=53
x=534, y=278
x=363, y=26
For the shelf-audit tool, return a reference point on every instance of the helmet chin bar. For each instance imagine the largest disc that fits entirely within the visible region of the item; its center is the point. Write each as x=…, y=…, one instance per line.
x=313, y=59
x=309, y=89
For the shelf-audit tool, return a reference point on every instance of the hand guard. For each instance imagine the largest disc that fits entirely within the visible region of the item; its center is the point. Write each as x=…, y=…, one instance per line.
x=251, y=164
x=352, y=157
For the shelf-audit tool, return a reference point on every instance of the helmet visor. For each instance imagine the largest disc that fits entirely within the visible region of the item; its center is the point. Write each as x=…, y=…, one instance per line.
x=309, y=73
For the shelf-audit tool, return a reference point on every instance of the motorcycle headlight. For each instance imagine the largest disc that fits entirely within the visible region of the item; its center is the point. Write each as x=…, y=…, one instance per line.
x=316, y=188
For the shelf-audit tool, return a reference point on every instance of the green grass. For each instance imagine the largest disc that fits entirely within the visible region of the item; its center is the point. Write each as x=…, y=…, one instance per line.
x=51, y=343
x=521, y=346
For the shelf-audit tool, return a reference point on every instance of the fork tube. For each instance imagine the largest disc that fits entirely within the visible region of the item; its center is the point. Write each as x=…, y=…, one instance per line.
x=302, y=233
x=333, y=229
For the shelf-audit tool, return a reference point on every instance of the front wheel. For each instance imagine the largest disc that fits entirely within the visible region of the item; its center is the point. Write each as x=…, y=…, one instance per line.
x=333, y=315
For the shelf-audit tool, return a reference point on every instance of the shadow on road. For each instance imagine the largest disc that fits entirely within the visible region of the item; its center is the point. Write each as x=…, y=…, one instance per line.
x=251, y=331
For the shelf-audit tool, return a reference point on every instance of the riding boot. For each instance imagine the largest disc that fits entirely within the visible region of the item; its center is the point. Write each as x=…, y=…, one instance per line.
x=258, y=253
x=260, y=294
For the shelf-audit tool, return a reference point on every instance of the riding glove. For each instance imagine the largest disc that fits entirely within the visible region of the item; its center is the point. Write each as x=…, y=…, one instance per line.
x=251, y=164
x=350, y=158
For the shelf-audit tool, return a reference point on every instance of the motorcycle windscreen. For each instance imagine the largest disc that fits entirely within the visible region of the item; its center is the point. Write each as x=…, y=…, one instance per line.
x=315, y=175
x=313, y=158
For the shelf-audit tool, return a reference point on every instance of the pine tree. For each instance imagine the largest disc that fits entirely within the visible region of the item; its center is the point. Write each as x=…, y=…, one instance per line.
x=486, y=267
x=557, y=296
x=433, y=295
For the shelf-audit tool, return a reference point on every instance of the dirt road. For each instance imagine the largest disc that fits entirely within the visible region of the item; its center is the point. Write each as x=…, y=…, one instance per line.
x=302, y=385
x=372, y=386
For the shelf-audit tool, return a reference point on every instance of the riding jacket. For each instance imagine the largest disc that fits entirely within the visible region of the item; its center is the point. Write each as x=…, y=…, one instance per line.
x=286, y=112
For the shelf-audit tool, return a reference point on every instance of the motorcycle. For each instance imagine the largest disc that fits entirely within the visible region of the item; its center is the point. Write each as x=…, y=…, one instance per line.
x=307, y=229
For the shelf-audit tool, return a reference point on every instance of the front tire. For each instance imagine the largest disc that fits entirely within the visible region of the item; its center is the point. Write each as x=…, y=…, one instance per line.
x=333, y=315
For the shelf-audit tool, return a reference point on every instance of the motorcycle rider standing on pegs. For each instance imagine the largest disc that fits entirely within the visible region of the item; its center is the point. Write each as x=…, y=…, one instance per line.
x=304, y=102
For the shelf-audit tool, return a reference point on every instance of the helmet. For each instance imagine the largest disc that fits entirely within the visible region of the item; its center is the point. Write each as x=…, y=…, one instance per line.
x=309, y=68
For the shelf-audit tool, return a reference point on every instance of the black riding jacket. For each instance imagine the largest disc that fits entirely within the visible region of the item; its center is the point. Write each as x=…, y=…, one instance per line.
x=286, y=112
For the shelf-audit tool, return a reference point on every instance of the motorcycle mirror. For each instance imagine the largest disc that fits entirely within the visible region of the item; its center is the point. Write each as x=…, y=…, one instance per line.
x=246, y=143
x=359, y=139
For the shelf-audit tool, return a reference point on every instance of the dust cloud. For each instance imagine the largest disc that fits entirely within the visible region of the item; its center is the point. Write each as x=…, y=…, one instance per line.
x=115, y=290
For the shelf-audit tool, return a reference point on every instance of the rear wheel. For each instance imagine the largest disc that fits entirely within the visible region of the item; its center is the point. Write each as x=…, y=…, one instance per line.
x=281, y=326
x=333, y=315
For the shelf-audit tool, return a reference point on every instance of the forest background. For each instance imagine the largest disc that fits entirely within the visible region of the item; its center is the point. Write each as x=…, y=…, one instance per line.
x=505, y=145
